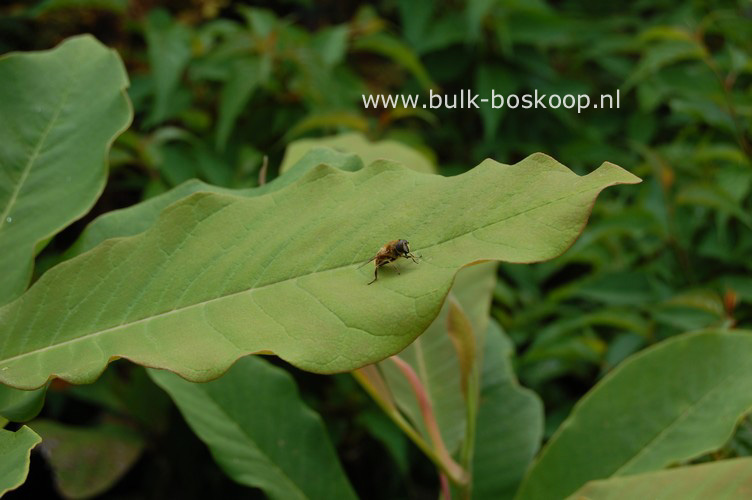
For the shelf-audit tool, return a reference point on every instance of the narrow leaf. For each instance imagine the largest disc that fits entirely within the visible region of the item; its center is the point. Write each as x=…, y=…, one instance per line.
x=60, y=110
x=260, y=432
x=221, y=276
x=725, y=479
x=15, y=448
x=667, y=404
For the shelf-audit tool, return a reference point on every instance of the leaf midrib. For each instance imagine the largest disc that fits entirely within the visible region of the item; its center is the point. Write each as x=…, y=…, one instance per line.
x=35, y=154
x=678, y=419
x=241, y=431
x=89, y=335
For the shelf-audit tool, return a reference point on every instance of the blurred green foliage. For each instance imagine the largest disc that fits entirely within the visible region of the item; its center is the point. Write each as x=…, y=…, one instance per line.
x=218, y=86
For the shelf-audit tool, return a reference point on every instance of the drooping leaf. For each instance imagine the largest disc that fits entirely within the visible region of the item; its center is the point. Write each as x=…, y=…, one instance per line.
x=138, y=218
x=88, y=461
x=61, y=109
x=259, y=431
x=21, y=406
x=725, y=479
x=15, y=448
x=220, y=276
x=650, y=412
x=358, y=144
x=509, y=426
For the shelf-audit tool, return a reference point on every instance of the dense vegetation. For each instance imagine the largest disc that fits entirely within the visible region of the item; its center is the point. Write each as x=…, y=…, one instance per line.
x=237, y=96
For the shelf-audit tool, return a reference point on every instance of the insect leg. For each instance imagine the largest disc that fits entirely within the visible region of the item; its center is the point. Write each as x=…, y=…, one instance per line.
x=396, y=267
x=375, y=274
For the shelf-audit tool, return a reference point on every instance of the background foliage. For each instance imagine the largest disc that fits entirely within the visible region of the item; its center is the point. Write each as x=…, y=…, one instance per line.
x=218, y=86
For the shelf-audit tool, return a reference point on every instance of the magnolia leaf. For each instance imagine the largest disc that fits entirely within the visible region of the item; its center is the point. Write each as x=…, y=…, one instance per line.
x=15, y=448
x=650, y=412
x=260, y=432
x=219, y=276
x=725, y=479
x=61, y=110
x=509, y=426
x=88, y=461
x=140, y=217
x=358, y=144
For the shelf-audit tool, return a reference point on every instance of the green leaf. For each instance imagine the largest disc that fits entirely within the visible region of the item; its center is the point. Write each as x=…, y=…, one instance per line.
x=21, y=406
x=88, y=461
x=669, y=403
x=220, y=276
x=259, y=431
x=15, y=448
x=509, y=426
x=140, y=217
x=393, y=48
x=725, y=479
x=169, y=51
x=367, y=151
x=243, y=79
x=61, y=110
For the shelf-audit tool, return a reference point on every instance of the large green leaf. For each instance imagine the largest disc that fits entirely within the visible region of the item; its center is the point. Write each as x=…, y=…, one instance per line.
x=259, y=431
x=670, y=403
x=358, y=144
x=88, y=461
x=221, y=276
x=509, y=427
x=61, y=109
x=15, y=448
x=723, y=480
x=140, y=217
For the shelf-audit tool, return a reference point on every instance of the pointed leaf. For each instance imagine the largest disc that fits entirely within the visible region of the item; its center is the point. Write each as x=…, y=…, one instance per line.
x=15, y=448
x=61, y=109
x=725, y=479
x=220, y=276
x=667, y=404
x=259, y=431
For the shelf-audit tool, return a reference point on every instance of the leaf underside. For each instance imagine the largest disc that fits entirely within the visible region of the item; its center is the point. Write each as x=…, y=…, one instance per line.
x=220, y=276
